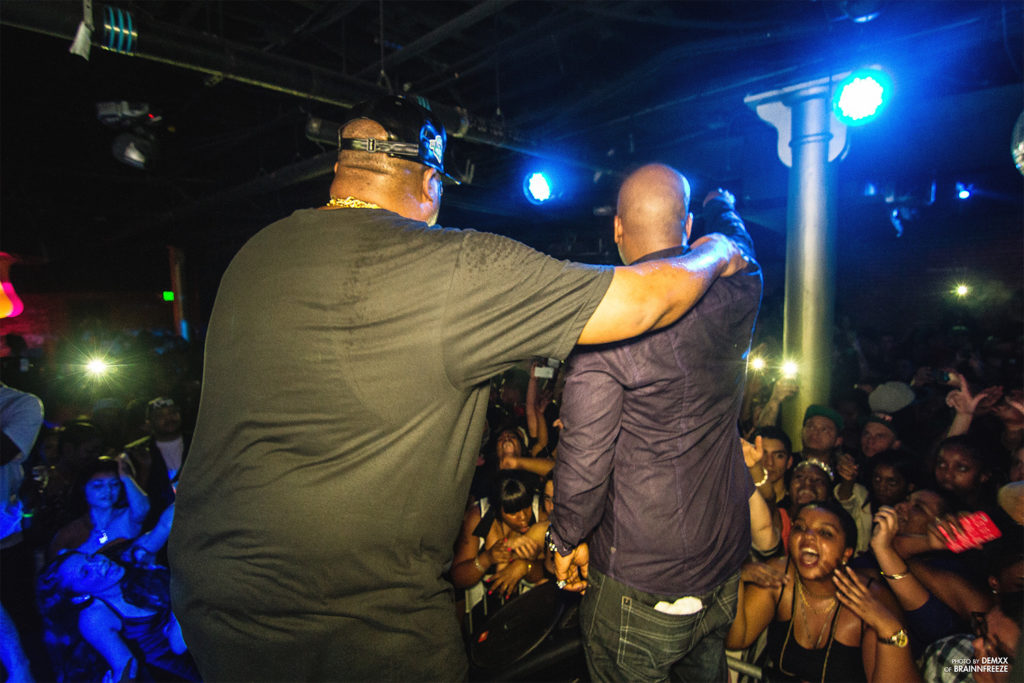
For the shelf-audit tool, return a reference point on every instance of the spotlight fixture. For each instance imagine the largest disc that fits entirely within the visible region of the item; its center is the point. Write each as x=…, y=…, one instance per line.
x=861, y=96
x=861, y=11
x=123, y=114
x=537, y=187
x=964, y=191
x=135, y=149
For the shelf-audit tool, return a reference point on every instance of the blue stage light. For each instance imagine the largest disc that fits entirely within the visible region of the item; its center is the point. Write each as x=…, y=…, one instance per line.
x=963, y=191
x=861, y=96
x=537, y=188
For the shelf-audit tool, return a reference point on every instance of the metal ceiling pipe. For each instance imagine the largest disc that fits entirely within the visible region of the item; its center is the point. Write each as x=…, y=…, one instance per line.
x=197, y=51
x=460, y=23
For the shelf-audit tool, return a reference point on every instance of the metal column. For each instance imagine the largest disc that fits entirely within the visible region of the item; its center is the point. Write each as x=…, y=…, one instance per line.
x=810, y=138
x=810, y=258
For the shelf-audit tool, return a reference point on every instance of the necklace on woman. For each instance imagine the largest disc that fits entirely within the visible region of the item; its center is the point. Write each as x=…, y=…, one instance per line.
x=802, y=592
x=808, y=607
x=831, y=636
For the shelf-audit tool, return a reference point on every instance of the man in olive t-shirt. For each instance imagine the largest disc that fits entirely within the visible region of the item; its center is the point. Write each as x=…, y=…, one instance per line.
x=344, y=392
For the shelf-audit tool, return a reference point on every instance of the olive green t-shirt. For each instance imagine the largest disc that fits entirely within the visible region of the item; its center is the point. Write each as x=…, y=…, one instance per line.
x=343, y=401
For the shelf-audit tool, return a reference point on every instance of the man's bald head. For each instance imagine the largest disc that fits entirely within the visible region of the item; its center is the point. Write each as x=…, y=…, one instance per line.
x=652, y=212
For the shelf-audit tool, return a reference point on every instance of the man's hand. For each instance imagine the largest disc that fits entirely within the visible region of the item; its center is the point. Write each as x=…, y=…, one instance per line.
x=719, y=192
x=784, y=388
x=963, y=401
x=737, y=260
x=753, y=453
x=847, y=468
x=573, y=568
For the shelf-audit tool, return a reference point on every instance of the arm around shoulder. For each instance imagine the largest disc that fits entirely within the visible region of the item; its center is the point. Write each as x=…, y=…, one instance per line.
x=653, y=294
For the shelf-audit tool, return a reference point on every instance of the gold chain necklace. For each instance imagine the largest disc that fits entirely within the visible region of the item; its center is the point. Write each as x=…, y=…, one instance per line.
x=803, y=598
x=807, y=607
x=789, y=632
x=350, y=203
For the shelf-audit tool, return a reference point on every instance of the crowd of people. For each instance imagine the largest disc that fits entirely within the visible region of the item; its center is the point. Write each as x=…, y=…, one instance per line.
x=866, y=512
x=877, y=531
x=301, y=520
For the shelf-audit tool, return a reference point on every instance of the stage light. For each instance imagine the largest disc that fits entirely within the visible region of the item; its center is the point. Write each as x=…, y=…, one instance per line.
x=97, y=367
x=537, y=188
x=964, y=191
x=861, y=96
x=789, y=369
x=961, y=290
x=861, y=11
x=757, y=363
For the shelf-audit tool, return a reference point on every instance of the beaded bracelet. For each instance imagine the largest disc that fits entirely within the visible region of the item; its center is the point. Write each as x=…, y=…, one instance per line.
x=761, y=483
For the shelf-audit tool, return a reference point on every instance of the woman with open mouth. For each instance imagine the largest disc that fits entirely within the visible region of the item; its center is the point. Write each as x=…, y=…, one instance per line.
x=825, y=621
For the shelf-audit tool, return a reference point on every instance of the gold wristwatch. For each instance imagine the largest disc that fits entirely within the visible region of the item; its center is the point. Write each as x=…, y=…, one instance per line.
x=899, y=639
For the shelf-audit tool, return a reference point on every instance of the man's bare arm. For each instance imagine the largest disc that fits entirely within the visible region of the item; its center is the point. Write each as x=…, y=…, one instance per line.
x=650, y=295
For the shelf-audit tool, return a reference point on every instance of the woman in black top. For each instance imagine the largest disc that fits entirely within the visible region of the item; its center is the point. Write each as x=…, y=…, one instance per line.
x=825, y=623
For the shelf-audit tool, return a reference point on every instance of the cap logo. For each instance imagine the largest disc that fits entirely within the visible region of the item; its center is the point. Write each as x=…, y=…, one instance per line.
x=436, y=148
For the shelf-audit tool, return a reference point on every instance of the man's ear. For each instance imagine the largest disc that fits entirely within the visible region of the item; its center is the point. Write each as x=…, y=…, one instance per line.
x=617, y=223
x=688, y=226
x=430, y=190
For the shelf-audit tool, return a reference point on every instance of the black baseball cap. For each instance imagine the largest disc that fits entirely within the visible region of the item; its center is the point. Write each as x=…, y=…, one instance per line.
x=412, y=133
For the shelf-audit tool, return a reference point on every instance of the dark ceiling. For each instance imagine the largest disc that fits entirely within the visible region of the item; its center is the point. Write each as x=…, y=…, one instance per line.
x=588, y=88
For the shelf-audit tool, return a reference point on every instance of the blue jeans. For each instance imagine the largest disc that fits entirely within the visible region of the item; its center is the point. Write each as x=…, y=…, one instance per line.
x=626, y=639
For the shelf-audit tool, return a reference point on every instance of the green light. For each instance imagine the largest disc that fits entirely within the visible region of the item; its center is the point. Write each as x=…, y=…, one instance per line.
x=97, y=367
x=168, y=295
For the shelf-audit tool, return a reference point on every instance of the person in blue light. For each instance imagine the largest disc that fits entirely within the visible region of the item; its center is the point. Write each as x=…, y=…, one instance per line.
x=120, y=610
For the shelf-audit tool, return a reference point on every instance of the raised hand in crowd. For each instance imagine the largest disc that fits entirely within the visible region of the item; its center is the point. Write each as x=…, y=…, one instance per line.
x=904, y=585
x=867, y=604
